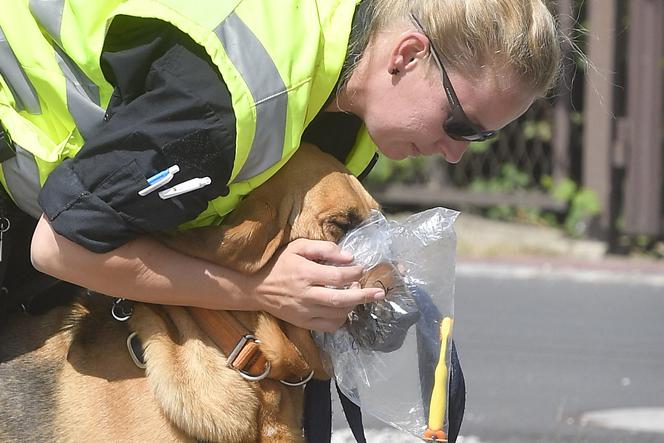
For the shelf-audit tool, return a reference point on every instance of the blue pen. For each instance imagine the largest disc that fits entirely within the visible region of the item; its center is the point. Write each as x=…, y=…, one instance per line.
x=160, y=179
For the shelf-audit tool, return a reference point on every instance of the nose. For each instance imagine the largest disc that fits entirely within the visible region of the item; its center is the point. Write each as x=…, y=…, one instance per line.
x=454, y=150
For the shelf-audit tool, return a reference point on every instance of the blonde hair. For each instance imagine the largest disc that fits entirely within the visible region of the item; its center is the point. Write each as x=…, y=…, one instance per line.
x=518, y=36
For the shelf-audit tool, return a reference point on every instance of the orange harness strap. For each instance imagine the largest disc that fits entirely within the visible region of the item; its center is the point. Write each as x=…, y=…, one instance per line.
x=236, y=342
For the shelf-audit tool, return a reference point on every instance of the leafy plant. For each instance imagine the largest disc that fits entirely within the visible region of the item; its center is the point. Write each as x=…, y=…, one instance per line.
x=582, y=202
x=397, y=171
x=537, y=129
x=509, y=179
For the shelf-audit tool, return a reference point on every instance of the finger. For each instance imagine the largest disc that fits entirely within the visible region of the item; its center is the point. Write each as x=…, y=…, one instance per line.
x=319, y=250
x=334, y=276
x=324, y=325
x=328, y=313
x=340, y=298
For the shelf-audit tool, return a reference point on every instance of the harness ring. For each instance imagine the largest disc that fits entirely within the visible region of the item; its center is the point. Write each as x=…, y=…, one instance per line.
x=259, y=377
x=302, y=382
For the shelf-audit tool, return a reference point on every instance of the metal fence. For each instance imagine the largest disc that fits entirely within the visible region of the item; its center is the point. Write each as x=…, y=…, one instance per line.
x=602, y=130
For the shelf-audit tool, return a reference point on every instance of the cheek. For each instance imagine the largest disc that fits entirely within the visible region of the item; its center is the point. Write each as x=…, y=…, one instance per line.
x=396, y=126
x=430, y=117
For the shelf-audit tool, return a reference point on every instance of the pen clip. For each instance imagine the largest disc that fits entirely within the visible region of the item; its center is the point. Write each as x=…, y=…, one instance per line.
x=184, y=187
x=158, y=180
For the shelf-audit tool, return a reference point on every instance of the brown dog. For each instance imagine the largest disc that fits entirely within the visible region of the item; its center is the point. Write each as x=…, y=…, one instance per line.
x=67, y=376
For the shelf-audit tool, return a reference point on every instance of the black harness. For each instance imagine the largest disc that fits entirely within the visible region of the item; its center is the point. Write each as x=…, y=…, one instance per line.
x=22, y=287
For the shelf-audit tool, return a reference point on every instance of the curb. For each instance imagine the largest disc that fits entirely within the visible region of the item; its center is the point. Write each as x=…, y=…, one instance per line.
x=524, y=268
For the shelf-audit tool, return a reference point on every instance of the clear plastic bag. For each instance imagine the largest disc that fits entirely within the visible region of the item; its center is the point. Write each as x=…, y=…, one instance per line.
x=392, y=356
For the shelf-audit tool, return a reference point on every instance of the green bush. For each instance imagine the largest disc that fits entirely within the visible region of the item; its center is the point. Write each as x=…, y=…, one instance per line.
x=387, y=171
x=582, y=203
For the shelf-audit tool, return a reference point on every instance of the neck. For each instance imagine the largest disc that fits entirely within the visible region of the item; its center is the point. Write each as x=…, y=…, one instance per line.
x=350, y=97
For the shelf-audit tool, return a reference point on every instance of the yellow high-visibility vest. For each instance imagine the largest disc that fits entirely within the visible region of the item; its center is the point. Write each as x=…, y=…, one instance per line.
x=280, y=60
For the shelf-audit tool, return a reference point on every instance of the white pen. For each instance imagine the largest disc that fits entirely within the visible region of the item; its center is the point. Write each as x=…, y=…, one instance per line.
x=160, y=179
x=184, y=187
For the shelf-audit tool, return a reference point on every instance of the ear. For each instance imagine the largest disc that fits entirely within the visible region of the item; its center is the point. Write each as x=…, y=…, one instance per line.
x=305, y=344
x=283, y=354
x=251, y=236
x=409, y=49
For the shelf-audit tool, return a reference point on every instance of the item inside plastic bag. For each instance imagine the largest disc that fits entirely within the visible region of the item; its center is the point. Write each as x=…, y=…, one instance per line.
x=392, y=356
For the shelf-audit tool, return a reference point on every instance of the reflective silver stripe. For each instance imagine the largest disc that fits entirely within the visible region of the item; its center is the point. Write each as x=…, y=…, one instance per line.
x=82, y=96
x=267, y=88
x=21, y=88
x=49, y=14
x=82, y=93
x=22, y=177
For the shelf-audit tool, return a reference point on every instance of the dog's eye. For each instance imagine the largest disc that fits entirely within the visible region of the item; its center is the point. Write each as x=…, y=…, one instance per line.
x=342, y=224
x=339, y=224
x=335, y=229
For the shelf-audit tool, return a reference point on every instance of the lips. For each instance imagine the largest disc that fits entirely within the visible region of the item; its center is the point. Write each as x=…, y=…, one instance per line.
x=443, y=150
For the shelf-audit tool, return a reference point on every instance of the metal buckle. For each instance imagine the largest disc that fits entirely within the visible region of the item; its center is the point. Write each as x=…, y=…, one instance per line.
x=132, y=352
x=304, y=381
x=236, y=351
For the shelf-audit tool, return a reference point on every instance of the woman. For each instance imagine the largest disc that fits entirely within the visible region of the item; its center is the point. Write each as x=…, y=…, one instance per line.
x=498, y=58
x=115, y=92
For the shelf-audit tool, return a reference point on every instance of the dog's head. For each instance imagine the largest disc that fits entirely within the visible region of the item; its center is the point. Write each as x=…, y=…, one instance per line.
x=313, y=196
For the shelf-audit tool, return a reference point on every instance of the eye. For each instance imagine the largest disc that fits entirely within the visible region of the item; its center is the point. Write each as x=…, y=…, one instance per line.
x=343, y=224
x=337, y=225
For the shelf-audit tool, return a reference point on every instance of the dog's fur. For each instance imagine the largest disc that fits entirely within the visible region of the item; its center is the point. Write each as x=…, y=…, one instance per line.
x=67, y=375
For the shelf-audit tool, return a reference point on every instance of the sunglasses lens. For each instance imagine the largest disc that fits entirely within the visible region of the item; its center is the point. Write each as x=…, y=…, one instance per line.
x=479, y=137
x=459, y=130
x=462, y=131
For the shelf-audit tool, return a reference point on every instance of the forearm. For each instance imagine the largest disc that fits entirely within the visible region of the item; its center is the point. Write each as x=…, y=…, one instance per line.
x=143, y=270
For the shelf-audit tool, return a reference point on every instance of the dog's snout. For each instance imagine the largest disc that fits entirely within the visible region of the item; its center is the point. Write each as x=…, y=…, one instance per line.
x=382, y=325
x=383, y=275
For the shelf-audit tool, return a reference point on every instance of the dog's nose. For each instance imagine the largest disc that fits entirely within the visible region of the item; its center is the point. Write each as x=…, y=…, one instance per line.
x=382, y=325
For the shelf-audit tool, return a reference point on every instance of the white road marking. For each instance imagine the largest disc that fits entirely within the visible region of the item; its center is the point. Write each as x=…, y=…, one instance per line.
x=388, y=435
x=636, y=419
x=521, y=272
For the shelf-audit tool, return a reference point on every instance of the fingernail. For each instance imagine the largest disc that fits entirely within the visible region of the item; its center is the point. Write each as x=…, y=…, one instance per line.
x=346, y=255
x=355, y=285
x=379, y=295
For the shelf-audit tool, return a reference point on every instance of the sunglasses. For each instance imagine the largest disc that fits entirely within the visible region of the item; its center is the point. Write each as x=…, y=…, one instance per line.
x=458, y=126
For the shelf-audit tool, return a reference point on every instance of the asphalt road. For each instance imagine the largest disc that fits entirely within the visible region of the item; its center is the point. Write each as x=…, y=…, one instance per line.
x=557, y=359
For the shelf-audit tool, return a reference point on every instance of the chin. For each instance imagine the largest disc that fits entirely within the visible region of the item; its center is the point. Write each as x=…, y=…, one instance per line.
x=394, y=154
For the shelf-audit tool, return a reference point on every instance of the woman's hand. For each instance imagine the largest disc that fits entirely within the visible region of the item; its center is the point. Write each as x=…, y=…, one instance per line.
x=296, y=287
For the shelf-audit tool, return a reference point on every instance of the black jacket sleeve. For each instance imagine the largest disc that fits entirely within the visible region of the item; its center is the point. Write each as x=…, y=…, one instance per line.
x=170, y=107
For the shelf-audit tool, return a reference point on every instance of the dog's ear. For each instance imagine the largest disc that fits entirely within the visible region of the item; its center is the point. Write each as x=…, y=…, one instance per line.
x=246, y=241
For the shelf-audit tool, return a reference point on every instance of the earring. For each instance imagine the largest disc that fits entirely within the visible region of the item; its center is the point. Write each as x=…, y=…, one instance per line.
x=394, y=71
